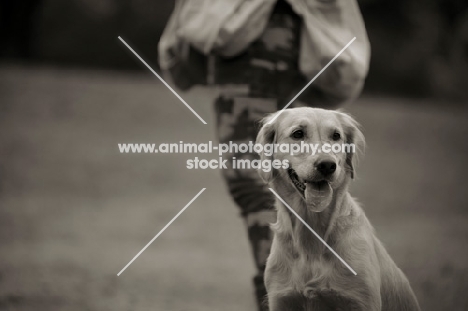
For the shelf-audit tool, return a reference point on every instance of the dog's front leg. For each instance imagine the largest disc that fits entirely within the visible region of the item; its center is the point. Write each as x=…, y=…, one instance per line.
x=345, y=292
x=291, y=302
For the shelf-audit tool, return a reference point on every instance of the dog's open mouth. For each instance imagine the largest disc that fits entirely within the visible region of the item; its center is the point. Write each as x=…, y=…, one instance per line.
x=317, y=194
x=320, y=185
x=296, y=182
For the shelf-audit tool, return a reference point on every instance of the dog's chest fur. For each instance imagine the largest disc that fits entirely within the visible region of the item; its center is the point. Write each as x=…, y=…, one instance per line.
x=304, y=266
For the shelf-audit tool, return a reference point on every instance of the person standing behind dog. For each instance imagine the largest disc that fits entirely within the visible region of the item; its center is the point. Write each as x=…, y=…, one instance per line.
x=261, y=54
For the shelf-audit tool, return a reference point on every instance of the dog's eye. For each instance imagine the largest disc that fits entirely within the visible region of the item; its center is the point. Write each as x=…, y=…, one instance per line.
x=298, y=134
x=336, y=136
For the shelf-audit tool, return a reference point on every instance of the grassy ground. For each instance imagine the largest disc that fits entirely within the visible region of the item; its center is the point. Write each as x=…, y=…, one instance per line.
x=73, y=211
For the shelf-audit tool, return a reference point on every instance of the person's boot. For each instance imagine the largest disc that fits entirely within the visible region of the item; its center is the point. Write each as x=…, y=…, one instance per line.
x=260, y=293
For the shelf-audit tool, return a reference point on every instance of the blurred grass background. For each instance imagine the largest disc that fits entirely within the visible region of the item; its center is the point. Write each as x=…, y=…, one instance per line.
x=74, y=211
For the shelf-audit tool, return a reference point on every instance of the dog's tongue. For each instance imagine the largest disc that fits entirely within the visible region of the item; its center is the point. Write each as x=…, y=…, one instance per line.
x=318, y=195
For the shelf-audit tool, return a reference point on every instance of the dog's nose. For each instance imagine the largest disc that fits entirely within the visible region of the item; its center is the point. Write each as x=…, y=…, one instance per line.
x=326, y=167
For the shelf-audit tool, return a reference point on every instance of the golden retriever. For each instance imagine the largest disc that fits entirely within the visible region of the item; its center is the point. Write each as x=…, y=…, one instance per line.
x=301, y=273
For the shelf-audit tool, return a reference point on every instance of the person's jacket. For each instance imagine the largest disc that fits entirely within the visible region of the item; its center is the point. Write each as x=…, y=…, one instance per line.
x=227, y=27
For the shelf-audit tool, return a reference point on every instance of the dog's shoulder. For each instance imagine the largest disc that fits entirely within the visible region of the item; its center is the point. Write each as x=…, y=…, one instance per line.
x=352, y=216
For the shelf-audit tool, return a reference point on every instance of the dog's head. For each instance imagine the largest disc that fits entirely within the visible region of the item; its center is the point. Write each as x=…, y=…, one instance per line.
x=316, y=177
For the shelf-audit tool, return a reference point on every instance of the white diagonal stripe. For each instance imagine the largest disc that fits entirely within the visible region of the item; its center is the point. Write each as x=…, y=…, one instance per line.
x=318, y=236
x=313, y=79
x=160, y=232
x=162, y=80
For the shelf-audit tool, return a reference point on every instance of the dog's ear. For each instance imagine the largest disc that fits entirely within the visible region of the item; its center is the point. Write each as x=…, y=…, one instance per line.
x=354, y=137
x=266, y=135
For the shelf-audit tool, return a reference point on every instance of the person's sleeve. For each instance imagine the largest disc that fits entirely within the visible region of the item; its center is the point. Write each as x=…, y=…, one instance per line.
x=328, y=27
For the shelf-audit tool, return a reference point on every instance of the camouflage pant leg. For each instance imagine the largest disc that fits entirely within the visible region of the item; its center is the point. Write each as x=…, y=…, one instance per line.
x=237, y=121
